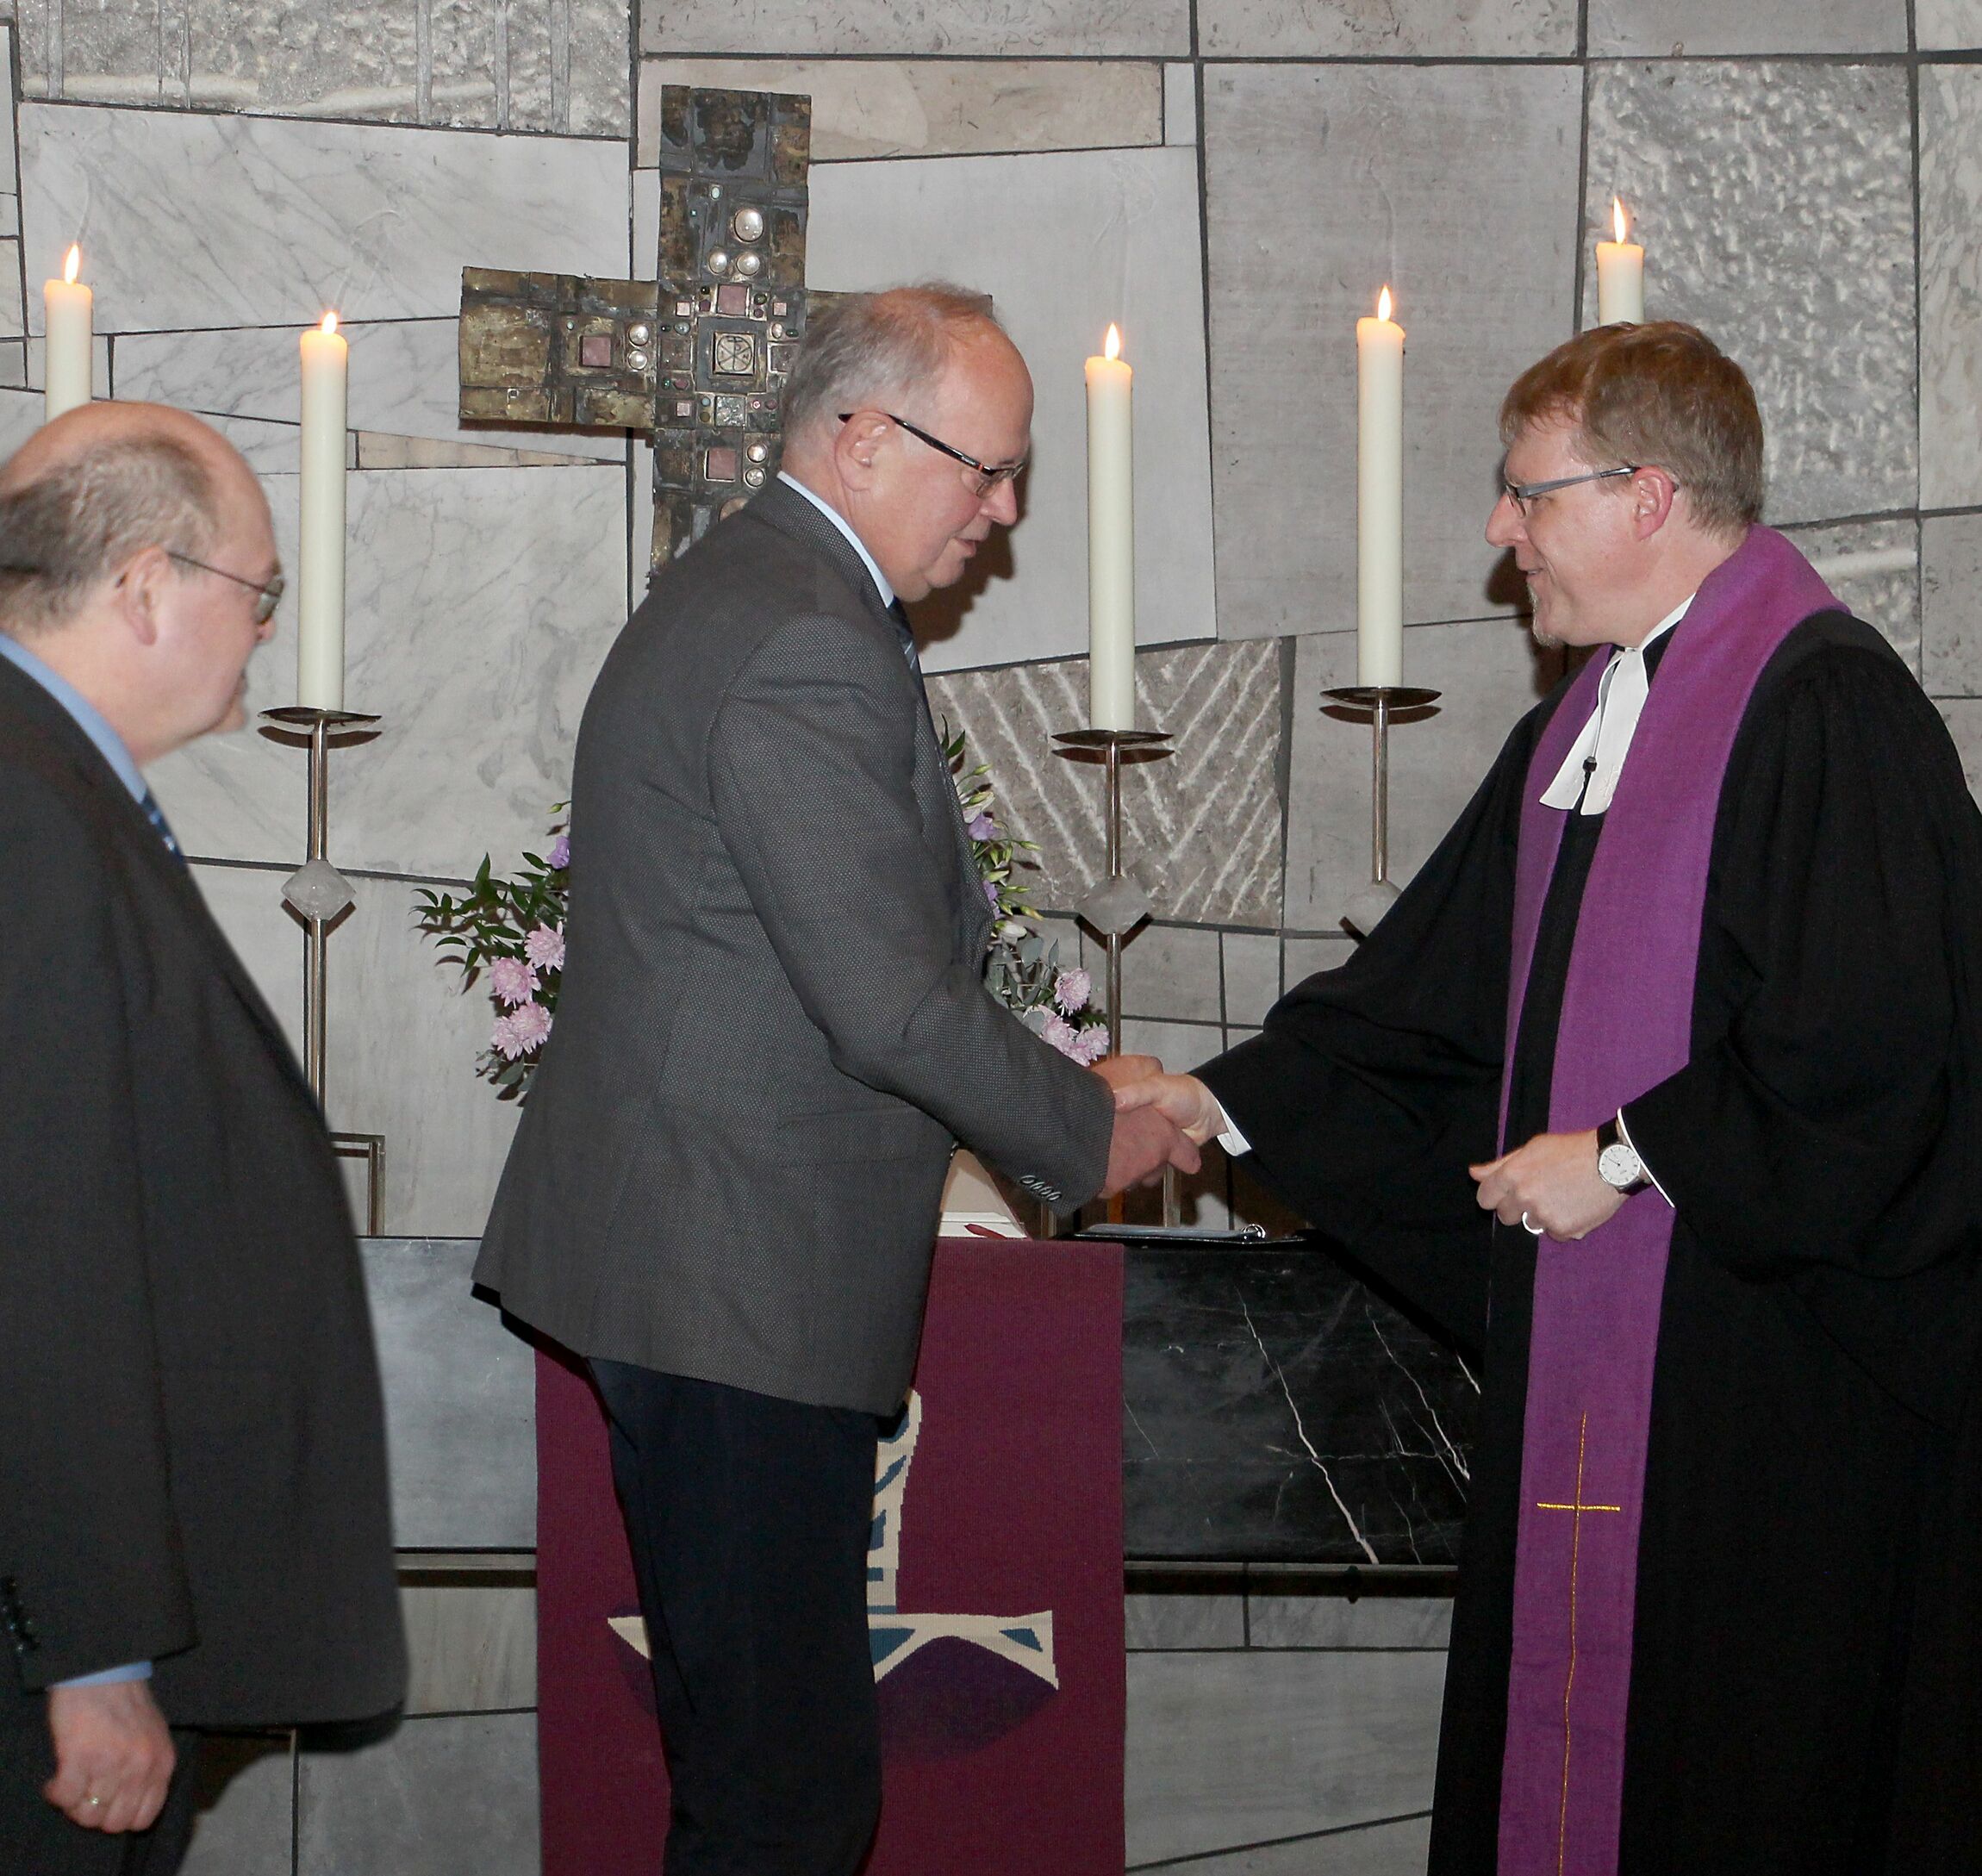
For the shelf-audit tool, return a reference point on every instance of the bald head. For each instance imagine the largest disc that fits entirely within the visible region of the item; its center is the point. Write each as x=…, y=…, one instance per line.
x=133, y=539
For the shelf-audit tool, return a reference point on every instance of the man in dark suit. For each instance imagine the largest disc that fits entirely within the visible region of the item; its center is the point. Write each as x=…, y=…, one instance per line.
x=773, y=1027
x=194, y=1523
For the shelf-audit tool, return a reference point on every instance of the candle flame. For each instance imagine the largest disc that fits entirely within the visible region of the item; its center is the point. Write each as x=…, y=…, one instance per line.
x=1111, y=347
x=1383, y=304
x=330, y=323
x=1617, y=220
x=71, y=266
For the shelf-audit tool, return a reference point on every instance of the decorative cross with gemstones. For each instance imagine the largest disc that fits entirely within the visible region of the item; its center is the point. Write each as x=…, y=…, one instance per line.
x=698, y=358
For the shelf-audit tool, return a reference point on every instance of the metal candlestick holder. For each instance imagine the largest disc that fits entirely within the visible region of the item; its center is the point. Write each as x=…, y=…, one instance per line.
x=1118, y=905
x=1366, y=906
x=320, y=895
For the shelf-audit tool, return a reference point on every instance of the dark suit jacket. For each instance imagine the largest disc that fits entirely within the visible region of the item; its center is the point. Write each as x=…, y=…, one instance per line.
x=773, y=1024
x=192, y=1463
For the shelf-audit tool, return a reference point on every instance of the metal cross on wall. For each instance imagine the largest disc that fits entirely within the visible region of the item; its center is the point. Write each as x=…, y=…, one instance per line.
x=698, y=358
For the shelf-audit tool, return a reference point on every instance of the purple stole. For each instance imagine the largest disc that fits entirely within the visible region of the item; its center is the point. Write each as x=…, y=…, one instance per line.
x=1626, y=1025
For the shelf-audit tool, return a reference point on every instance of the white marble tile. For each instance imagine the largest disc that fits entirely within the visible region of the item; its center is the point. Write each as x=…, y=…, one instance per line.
x=229, y=221
x=1951, y=605
x=646, y=211
x=1399, y=28
x=480, y=604
x=403, y=1042
x=1278, y=1619
x=1229, y=1749
x=1701, y=28
x=404, y=380
x=1001, y=28
x=247, y=904
x=9, y=215
x=1180, y=105
x=10, y=171
x=1950, y=284
x=1184, y=1619
x=1963, y=716
x=21, y=416
x=1490, y=674
x=1306, y=955
x=1181, y=1046
x=947, y=107
x=373, y=449
x=13, y=363
x=12, y=324
x=472, y=1648
x=1170, y=972
x=1252, y=975
x=1398, y=1847
x=1323, y=183
x=1007, y=225
x=246, y=1804
x=1873, y=567
x=1947, y=25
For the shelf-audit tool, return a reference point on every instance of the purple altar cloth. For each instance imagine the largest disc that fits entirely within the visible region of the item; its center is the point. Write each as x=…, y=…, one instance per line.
x=1626, y=1025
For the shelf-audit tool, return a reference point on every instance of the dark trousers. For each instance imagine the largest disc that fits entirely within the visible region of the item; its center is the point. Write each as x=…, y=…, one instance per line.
x=749, y=1520
x=37, y=1840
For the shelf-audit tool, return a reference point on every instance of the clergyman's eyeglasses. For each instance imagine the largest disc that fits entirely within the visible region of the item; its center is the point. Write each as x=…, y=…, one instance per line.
x=1521, y=494
x=266, y=597
x=989, y=475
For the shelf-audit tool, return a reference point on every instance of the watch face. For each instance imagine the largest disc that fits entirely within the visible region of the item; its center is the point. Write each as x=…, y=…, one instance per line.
x=1619, y=1166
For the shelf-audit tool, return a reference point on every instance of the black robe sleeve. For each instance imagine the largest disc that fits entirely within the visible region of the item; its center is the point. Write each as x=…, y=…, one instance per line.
x=1373, y=1087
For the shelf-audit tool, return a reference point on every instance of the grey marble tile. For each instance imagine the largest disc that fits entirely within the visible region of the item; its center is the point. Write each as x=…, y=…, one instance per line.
x=1278, y=1620
x=373, y=450
x=1698, y=28
x=1004, y=29
x=1201, y=831
x=1323, y=183
x=1181, y=1046
x=20, y=415
x=1252, y=975
x=12, y=324
x=1399, y=29
x=1007, y=225
x=1947, y=25
x=443, y=1796
x=1228, y=1750
x=1951, y=605
x=472, y=1646
x=247, y=904
x=203, y=228
x=13, y=363
x=1171, y=973
x=1396, y=1848
x=480, y=604
x=1950, y=284
x=1185, y=1619
x=1306, y=955
x=1873, y=567
x=9, y=215
x=247, y=1807
x=1731, y=169
x=1181, y=104
x=486, y=63
x=9, y=171
x=460, y=1400
x=1963, y=716
x=1490, y=673
x=403, y=1042
x=946, y=107
x=403, y=381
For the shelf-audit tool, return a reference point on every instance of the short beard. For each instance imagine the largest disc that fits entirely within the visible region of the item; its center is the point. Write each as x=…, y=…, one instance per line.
x=1547, y=640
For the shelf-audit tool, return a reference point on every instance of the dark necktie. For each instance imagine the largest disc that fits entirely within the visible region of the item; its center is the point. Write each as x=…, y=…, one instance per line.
x=156, y=815
x=899, y=613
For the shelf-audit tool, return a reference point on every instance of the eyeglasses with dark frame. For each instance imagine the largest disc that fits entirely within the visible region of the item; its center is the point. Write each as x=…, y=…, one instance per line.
x=1522, y=493
x=267, y=596
x=989, y=475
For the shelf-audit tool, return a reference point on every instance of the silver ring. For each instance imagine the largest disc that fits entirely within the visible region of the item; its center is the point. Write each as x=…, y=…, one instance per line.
x=94, y=1801
x=1534, y=1231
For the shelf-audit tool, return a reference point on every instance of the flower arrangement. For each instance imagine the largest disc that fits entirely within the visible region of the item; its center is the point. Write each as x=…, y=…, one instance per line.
x=512, y=931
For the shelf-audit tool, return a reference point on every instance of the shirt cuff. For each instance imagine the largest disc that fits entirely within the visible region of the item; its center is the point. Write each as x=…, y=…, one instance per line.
x=108, y=1677
x=1624, y=1134
x=1230, y=1138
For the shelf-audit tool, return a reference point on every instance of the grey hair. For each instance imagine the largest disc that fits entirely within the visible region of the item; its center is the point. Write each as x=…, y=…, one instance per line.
x=65, y=531
x=863, y=350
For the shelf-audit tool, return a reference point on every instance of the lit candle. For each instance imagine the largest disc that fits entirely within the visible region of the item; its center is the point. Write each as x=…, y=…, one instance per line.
x=320, y=572
x=1380, y=498
x=1620, y=275
x=1110, y=544
x=67, y=369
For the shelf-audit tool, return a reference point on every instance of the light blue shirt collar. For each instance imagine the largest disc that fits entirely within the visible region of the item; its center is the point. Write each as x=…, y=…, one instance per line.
x=845, y=527
x=89, y=719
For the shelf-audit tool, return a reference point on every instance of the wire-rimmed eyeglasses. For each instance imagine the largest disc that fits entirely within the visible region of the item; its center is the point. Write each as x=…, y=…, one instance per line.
x=267, y=597
x=1522, y=493
x=989, y=475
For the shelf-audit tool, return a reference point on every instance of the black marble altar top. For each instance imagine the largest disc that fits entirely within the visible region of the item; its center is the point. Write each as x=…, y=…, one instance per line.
x=1275, y=1410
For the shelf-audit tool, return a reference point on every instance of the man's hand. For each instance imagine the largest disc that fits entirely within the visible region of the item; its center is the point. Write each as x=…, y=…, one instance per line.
x=1124, y=1071
x=113, y=1756
x=1182, y=1100
x=1144, y=1144
x=1553, y=1183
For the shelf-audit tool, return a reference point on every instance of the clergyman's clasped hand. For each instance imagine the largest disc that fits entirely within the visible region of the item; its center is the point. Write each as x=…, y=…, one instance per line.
x=1550, y=1186
x=1146, y=1140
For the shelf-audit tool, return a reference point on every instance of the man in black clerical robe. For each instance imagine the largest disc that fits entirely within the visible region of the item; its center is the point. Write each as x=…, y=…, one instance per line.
x=1794, y=1658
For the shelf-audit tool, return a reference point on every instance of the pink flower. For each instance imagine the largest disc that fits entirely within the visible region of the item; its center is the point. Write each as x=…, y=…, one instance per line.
x=529, y=1022
x=1090, y=1044
x=545, y=947
x=991, y=894
x=1061, y=1033
x=512, y=980
x=560, y=854
x=1071, y=990
x=502, y=1039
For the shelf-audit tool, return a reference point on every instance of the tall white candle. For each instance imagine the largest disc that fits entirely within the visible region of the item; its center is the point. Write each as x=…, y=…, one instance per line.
x=1111, y=543
x=1380, y=498
x=70, y=307
x=320, y=572
x=1620, y=275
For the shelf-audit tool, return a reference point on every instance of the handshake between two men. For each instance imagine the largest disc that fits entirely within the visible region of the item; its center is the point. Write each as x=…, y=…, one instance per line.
x=1157, y=1125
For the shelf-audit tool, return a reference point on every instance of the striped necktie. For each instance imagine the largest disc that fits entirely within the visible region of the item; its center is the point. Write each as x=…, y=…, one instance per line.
x=156, y=815
x=899, y=613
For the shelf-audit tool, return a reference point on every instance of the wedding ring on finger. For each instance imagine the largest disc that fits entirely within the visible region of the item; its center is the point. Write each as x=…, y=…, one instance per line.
x=1529, y=1225
x=93, y=1803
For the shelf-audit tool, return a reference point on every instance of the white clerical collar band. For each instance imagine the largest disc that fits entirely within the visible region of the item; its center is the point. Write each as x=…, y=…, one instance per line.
x=1605, y=739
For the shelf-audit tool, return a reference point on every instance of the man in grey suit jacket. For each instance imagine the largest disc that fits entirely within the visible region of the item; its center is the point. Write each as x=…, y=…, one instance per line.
x=773, y=1027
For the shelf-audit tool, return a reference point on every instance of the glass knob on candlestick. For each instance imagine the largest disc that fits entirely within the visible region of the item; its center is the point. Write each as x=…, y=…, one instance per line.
x=318, y=891
x=1116, y=905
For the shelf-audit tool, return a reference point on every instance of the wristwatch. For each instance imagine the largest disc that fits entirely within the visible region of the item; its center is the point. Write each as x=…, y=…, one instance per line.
x=1618, y=1161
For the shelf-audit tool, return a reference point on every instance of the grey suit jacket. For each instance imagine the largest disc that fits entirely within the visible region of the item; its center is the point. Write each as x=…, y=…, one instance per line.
x=773, y=1024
